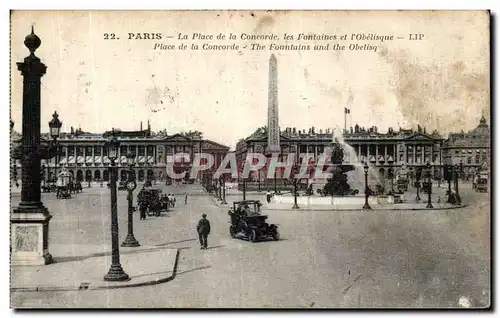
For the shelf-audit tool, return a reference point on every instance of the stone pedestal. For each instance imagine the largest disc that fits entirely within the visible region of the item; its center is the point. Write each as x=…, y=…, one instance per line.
x=30, y=237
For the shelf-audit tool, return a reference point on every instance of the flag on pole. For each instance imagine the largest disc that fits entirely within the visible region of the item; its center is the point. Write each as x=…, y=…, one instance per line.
x=347, y=110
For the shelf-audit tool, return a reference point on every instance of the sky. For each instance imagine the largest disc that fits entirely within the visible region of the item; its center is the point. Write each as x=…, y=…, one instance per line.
x=440, y=82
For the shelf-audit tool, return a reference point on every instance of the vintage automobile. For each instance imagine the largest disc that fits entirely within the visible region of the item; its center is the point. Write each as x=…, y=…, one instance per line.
x=247, y=222
x=482, y=182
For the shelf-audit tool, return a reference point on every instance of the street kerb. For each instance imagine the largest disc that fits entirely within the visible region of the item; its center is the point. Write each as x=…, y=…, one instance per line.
x=147, y=266
x=375, y=208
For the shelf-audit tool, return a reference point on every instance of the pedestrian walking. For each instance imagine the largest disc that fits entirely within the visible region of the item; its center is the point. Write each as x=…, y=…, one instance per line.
x=203, y=229
x=143, y=206
x=185, y=198
x=268, y=196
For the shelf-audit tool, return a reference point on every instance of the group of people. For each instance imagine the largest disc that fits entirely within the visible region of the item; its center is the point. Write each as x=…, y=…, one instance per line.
x=154, y=201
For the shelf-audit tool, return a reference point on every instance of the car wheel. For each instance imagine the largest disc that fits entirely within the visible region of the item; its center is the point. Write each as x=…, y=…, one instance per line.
x=253, y=236
x=276, y=235
x=232, y=231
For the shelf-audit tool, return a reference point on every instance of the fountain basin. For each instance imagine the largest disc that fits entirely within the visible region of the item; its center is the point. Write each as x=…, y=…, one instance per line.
x=358, y=200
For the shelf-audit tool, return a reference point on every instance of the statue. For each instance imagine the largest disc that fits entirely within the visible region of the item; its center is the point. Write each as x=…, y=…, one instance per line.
x=337, y=185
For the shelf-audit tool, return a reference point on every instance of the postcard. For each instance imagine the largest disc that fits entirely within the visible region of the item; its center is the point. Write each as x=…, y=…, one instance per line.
x=250, y=159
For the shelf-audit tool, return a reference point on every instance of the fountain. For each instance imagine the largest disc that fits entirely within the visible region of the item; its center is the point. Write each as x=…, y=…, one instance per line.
x=338, y=185
x=346, y=185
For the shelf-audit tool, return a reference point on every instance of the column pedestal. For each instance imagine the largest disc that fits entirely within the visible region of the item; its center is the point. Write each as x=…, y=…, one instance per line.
x=30, y=236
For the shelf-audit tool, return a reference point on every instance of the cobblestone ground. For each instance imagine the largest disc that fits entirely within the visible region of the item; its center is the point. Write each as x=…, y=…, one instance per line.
x=325, y=258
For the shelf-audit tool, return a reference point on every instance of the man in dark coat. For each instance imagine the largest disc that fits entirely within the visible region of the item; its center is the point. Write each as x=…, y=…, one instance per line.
x=203, y=229
x=143, y=205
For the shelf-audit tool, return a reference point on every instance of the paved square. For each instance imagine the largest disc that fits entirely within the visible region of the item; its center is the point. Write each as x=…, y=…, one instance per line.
x=324, y=259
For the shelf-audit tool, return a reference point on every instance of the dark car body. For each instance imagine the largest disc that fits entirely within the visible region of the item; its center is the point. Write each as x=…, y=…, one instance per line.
x=247, y=222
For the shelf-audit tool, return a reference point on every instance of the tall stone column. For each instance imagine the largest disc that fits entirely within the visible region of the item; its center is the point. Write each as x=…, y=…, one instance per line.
x=414, y=154
x=30, y=220
x=273, y=130
x=396, y=153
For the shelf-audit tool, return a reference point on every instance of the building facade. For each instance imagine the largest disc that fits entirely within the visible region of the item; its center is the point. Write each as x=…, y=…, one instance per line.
x=470, y=149
x=393, y=149
x=84, y=155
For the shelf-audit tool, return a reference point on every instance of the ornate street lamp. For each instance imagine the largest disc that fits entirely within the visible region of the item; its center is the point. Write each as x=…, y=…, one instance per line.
x=429, y=185
x=367, y=205
x=295, y=190
x=55, y=129
x=391, y=173
x=459, y=200
x=244, y=189
x=448, y=170
x=418, y=174
x=220, y=188
x=258, y=181
x=42, y=174
x=216, y=188
x=275, y=188
x=130, y=240
x=223, y=191
x=115, y=272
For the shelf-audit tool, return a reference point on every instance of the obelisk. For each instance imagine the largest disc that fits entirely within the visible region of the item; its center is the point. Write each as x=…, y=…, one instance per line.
x=273, y=128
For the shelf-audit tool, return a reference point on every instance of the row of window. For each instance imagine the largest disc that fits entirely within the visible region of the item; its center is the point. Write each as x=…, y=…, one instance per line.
x=101, y=151
x=479, y=159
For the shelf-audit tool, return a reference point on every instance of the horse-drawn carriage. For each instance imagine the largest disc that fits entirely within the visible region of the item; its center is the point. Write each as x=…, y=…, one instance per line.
x=247, y=222
x=481, y=182
x=64, y=185
x=154, y=201
x=49, y=187
x=76, y=187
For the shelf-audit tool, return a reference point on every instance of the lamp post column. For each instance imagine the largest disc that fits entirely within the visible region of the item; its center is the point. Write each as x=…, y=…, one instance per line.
x=417, y=183
x=30, y=220
x=367, y=205
x=459, y=200
x=130, y=240
x=275, y=188
x=115, y=272
x=224, y=191
x=220, y=189
x=449, y=174
x=295, y=205
x=244, y=190
x=429, y=186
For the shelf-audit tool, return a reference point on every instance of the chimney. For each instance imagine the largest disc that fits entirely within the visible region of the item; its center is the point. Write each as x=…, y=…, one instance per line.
x=72, y=130
x=141, y=126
